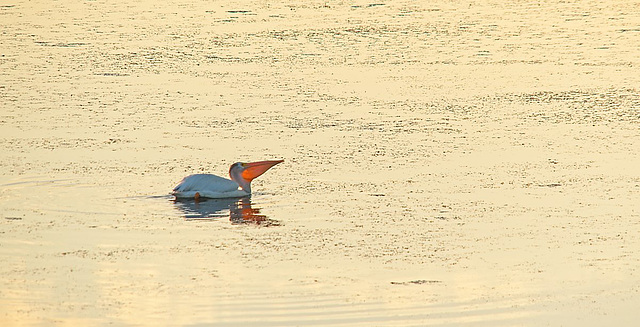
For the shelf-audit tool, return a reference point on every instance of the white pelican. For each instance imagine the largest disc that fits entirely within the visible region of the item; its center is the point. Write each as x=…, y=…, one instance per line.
x=211, y=186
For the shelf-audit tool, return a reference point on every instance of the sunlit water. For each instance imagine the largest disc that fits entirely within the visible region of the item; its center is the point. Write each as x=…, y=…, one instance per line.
x=445, y=164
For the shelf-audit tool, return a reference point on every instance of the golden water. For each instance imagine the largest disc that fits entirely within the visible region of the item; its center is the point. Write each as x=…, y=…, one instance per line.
x=445, y=163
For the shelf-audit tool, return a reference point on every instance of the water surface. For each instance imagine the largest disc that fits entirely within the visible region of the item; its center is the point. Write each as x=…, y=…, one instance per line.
x=445, y=164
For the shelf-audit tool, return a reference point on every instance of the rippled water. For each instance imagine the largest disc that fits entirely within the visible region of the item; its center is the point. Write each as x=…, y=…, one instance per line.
x=445, y=164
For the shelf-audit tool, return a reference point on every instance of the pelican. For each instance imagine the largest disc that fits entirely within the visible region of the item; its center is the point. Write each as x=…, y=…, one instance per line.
x=215, y=187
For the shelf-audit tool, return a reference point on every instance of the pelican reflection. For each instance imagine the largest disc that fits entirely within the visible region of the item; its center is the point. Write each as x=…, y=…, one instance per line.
x=239, y=210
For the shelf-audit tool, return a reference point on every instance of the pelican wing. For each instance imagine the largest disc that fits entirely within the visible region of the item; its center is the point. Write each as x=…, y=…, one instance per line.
x=207, y=185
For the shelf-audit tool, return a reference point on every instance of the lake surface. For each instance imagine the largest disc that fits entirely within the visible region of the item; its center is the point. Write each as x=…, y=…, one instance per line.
x=445, y=164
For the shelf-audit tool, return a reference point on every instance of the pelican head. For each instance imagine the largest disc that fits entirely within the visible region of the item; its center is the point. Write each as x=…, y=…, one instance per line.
x=244, y=172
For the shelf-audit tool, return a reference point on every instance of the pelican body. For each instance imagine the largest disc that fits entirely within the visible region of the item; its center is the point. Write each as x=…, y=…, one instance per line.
x=215, y=187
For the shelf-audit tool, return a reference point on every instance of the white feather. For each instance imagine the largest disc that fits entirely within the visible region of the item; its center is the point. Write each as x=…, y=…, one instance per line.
x=208, y=186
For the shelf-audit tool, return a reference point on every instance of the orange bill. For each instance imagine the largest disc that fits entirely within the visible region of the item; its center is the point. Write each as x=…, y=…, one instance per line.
x=255, y=169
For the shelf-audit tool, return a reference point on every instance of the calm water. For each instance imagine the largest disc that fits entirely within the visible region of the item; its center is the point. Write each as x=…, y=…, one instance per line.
x=445, y=164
